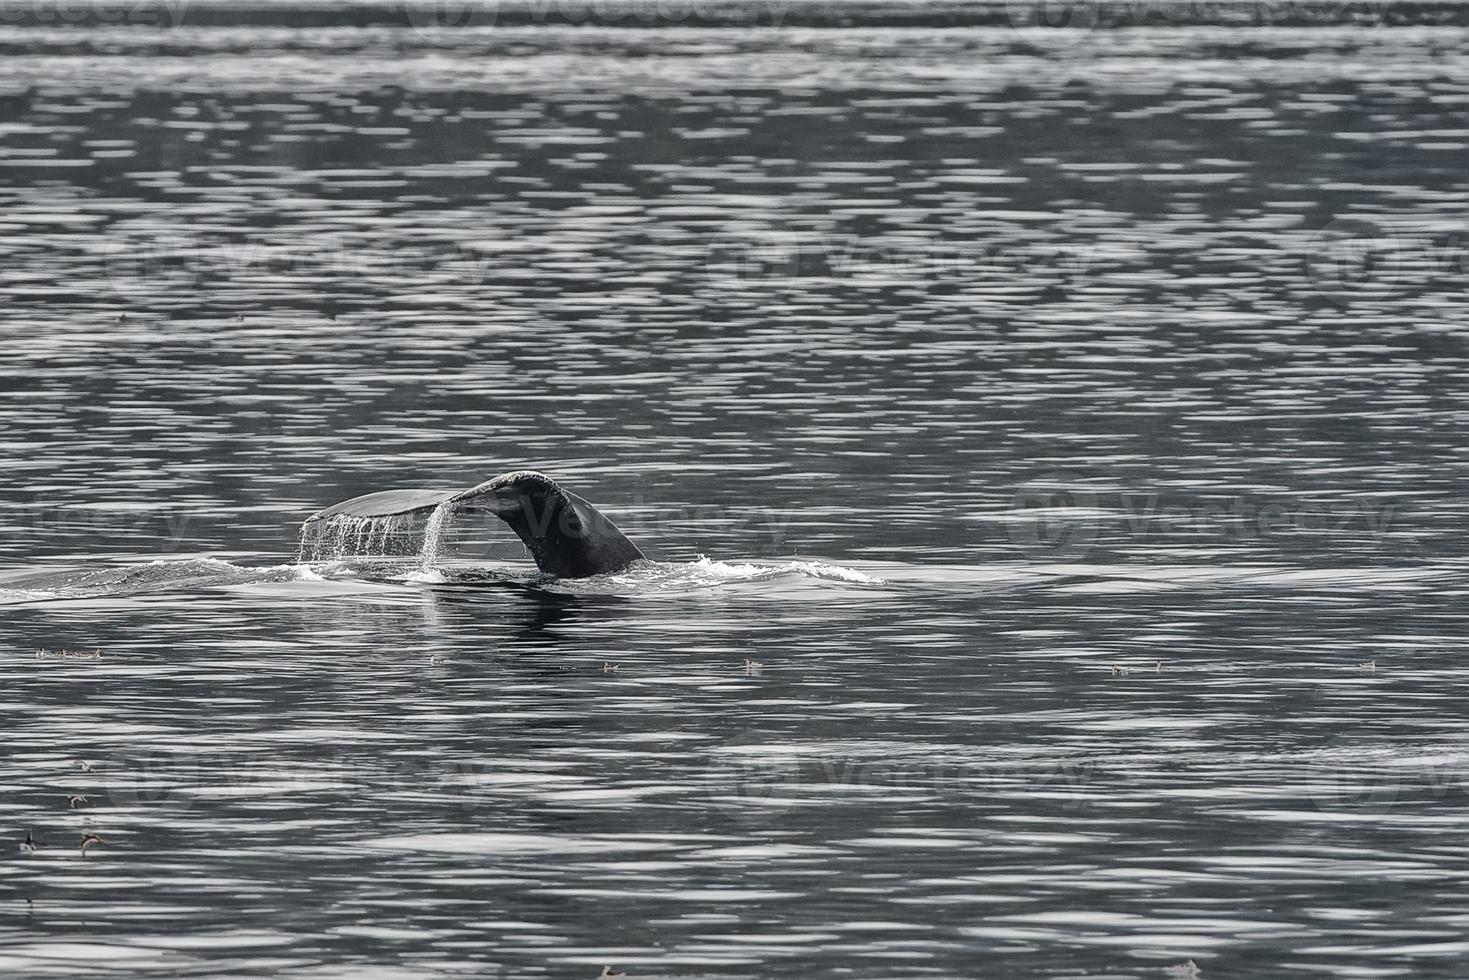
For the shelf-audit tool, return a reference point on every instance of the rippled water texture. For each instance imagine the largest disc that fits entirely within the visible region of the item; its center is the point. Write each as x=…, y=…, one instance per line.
x=1049, y=443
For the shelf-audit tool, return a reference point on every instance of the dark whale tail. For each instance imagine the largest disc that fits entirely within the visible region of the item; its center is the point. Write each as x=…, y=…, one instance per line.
x=567, y=536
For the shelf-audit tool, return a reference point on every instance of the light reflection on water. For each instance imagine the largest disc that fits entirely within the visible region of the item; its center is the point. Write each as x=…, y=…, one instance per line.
x=1058, y=540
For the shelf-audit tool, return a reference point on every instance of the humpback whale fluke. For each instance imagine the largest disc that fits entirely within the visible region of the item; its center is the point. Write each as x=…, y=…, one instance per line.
x=567, y=536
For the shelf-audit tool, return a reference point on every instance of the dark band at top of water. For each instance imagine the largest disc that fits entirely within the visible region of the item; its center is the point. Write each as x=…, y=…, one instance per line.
x=1061, y=15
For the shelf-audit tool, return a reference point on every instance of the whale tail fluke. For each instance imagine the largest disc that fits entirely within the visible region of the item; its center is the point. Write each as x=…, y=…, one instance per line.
x=566, y=535
x=387, y=503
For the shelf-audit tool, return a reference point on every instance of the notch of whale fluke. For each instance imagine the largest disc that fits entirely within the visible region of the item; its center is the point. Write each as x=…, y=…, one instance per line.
x=566, y=535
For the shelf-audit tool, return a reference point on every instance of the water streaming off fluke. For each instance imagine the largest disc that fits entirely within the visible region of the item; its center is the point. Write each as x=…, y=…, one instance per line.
x=394, y=536
x=433, y=533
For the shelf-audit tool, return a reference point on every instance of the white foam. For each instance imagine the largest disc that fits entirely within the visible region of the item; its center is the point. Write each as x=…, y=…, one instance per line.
x=724, y=571
x=826, y=570
x=729, y=569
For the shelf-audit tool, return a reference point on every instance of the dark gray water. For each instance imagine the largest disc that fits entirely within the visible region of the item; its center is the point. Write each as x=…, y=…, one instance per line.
x=1050, y=444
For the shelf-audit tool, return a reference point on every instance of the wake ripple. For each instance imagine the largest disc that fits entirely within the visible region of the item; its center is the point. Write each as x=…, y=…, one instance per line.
x=162, y=575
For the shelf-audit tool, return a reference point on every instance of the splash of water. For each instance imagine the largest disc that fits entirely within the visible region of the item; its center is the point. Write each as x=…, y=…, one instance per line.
x=374, y=537
x=433, y=533
x=394, y=536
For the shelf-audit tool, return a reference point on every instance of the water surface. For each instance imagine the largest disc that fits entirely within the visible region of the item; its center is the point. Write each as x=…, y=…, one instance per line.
x=1049, y=445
